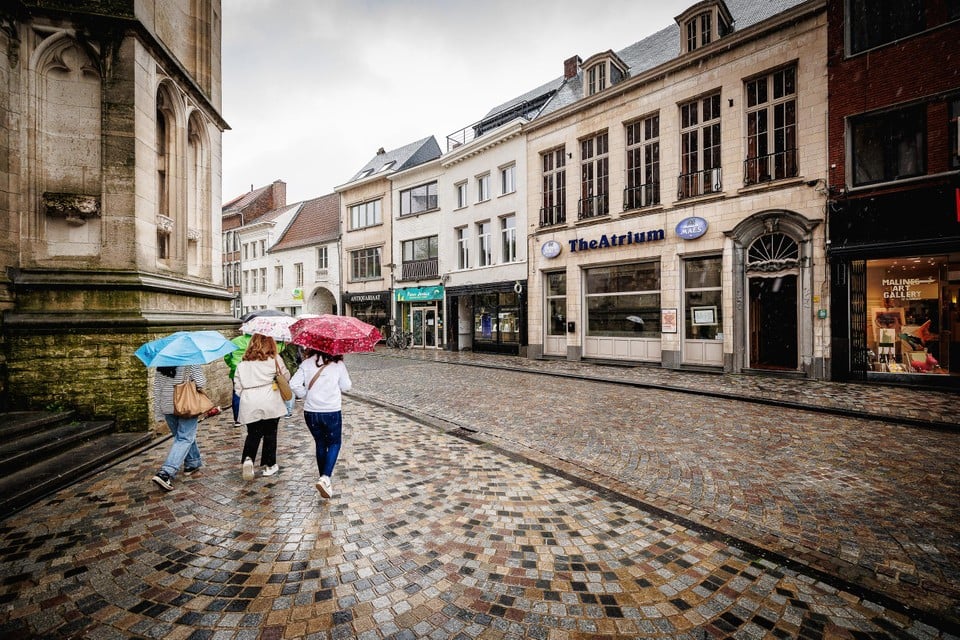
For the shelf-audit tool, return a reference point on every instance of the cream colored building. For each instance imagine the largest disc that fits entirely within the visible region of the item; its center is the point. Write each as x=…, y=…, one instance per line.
x=368, y=263
x=110, y=161
x=679, y=185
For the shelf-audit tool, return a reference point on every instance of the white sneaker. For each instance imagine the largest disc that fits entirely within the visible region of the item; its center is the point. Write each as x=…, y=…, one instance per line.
x=248, y=469
x=269, y=471
x=324, y=487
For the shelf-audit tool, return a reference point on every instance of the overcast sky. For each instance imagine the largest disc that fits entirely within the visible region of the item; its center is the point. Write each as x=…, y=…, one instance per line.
x=312, y=88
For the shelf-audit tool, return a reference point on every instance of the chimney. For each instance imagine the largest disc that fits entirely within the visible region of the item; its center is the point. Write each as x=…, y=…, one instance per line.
x=279, y=194
x=571, y=66
x=380, y=151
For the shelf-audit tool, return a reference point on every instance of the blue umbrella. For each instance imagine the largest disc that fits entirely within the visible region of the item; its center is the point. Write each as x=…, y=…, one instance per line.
x=184, y=347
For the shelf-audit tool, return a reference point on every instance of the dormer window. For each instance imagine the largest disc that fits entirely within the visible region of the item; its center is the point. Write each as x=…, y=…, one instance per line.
x=704, y=23
x=597, y=78
x=601, y=71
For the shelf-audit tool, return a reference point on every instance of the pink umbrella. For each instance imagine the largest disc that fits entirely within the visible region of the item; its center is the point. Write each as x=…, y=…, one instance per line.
x=277, y=327
x=335, y=335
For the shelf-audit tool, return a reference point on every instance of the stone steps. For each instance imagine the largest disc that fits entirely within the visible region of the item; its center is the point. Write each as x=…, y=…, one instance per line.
x=43, y=452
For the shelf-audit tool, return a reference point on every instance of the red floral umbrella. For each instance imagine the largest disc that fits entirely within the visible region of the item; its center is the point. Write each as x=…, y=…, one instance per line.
x=335, y=335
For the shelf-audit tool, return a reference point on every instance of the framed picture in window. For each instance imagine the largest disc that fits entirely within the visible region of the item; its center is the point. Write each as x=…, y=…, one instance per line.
x=703, y=316
x=668, y=320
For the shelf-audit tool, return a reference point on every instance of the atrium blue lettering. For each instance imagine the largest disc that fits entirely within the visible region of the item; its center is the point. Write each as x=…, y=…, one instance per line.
x=615, y=240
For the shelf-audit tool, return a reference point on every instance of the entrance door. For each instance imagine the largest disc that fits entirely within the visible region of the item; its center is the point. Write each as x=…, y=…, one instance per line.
x=424, y=327
x=773, y=323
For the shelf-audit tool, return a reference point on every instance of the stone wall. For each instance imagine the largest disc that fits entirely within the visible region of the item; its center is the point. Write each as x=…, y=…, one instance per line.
x=95, y=373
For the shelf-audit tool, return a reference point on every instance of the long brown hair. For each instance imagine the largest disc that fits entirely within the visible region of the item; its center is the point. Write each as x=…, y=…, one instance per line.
x=260, y=348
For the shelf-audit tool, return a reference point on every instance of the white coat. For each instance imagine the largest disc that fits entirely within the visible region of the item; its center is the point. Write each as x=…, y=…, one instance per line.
x=259, y=397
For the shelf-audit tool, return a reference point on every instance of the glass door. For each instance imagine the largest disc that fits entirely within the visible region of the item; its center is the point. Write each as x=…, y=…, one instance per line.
x=424, y=327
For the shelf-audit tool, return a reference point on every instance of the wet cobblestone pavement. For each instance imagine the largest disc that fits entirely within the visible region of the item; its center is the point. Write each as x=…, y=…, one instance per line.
x=502, y=504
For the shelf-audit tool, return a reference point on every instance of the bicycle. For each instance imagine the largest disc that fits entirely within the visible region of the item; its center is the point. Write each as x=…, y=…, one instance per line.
x=399, y=339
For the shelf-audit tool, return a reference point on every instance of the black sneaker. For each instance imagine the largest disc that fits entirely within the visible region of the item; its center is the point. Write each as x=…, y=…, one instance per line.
x=189, y=471
x=163, y=480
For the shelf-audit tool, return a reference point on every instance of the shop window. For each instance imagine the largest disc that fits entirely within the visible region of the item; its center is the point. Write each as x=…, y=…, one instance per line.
x=623, y=300
x=703, y=298
x=496, y=318
x=556, y=287
x=910, y=304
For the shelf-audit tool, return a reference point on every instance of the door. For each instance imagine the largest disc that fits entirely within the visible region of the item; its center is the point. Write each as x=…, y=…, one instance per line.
x=555, y=314
x=424, y=327
x=773, y=323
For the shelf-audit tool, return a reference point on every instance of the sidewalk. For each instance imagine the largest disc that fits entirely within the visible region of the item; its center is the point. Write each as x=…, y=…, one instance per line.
x=918, y=407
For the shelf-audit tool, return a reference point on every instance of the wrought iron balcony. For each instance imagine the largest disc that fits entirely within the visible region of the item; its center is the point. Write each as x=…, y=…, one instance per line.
x=699, y=183
x=419, y=269
x=550, y=216
x=644, y=195
x=773, y=166
x=593, y=207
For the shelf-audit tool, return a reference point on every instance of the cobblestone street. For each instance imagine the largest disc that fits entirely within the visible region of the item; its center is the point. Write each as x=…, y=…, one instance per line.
x=489, y=502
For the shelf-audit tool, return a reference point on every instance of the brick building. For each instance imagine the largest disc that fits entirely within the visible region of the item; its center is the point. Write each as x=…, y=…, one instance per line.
x=894, y=185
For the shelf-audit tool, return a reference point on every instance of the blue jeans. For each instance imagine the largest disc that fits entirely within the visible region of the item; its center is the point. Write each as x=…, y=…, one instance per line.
x=326, y=430
x=184, y=449
x=235, y=405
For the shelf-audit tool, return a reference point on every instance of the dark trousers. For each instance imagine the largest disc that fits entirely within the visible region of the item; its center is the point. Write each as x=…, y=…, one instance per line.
x=326, y=429
x=265, y=430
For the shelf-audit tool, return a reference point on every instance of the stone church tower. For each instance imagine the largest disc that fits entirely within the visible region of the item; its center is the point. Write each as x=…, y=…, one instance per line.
x=110, y=165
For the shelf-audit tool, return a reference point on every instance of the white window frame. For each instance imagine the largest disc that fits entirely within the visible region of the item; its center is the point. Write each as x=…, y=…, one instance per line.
x=483, y=187
x=508, y=179
x=484, y=244
x=365, y=214
x=463, y=248
x=278, y=277
x=462, y=198
x=298, y=274
x=323, y=258
x=508, y=238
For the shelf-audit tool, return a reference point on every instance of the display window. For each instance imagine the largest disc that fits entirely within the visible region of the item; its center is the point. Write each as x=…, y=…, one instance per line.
x=623, y=300
x=496, y=318
x=703, y=298
x=372, y=312
x=912, y=315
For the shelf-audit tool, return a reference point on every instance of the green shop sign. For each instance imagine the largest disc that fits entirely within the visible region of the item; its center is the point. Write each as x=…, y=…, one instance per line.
x=420, y=294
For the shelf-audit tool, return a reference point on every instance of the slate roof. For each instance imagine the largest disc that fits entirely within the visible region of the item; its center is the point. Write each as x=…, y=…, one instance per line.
x=317, y=221
x=653, y=51
x=411, y=155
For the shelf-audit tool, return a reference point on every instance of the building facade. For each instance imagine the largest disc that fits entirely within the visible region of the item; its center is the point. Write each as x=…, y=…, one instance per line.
x=305, y=260
x=259, y=273
x=235, y=214
x=680, y=197
x=110, y=157
x=368, y=264
x=894, y=186
x=484, y=229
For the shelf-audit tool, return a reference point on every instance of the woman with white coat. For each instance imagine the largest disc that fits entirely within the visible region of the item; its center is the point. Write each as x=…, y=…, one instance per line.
x=261, y=405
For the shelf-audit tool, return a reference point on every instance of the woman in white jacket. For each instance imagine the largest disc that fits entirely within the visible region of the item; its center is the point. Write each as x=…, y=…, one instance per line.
x=260, y=403
x=319, y=380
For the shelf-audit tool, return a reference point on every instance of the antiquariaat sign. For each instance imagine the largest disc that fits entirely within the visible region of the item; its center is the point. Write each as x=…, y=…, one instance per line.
x=616, y=240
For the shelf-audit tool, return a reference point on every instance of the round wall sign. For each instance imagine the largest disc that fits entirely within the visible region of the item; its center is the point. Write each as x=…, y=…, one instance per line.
x=691, y=228
x=550, y=249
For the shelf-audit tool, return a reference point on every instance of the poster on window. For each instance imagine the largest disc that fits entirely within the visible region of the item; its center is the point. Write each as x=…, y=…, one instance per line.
x=668, y=320
x=486, y=326
x=703, y=316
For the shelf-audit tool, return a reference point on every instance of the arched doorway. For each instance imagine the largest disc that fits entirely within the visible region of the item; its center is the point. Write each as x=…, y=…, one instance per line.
x=773, y=292
x=320, y=301
x=772, y=270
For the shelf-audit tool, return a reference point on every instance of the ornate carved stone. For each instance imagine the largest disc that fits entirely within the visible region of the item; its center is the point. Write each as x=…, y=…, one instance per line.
x=193, y=235
x=75, y=208
x=164, y=223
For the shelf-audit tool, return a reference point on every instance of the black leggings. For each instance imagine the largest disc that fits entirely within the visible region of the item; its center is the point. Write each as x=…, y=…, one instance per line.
x=266, y=430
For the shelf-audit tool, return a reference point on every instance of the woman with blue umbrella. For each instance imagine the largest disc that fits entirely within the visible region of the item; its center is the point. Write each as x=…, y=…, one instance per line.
x=177, y=358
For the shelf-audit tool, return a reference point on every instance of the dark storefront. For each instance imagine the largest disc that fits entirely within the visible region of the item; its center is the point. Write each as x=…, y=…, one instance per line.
x=488, y=318
x=372, y=308
x=895, y=278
